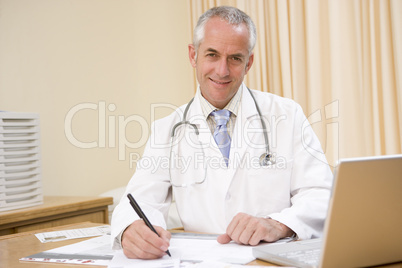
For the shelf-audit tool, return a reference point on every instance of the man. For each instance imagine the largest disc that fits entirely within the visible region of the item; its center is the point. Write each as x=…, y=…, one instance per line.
x=245, y=202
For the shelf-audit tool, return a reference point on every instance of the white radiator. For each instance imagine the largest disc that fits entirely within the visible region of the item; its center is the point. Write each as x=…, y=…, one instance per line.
x=20, y=161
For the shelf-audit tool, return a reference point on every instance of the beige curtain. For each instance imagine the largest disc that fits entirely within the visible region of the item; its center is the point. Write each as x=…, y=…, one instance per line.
x=341, y=60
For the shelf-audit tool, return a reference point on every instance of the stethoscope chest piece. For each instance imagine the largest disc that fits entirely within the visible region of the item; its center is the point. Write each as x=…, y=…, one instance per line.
x=267, y=159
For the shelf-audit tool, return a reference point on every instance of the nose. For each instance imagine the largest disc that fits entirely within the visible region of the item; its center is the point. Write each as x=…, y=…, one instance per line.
x=222, y=68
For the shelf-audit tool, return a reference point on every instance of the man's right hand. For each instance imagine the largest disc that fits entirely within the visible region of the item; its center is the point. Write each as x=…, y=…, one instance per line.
x=140, y=242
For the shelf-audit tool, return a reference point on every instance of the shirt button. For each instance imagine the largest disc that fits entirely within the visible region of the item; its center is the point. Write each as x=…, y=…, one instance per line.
x=228, y=196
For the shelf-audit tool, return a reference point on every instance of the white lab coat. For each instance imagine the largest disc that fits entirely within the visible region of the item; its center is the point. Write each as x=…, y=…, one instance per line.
x=294, y=191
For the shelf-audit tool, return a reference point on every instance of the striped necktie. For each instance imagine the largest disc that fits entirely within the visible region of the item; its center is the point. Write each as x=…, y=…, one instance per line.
x=221, y=134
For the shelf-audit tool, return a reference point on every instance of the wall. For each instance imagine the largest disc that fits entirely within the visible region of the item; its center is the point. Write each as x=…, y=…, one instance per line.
x=86, y=65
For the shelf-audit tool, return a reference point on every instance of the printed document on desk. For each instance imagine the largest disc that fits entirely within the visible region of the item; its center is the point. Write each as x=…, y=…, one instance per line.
x=73, y=234
x=189, y=251
x=121, y=261
x=95, y=251
x=193, y=251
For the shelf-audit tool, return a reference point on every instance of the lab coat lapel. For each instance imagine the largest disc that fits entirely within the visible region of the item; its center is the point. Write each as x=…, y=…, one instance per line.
x=196, y=117
x=247, y=121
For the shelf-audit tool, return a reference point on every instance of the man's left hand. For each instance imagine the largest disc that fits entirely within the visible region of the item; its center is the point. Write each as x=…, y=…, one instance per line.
x=249, y=230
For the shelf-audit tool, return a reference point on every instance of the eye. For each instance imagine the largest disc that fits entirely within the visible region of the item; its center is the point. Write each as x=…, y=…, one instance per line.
x=236, y=60
x=212, y=55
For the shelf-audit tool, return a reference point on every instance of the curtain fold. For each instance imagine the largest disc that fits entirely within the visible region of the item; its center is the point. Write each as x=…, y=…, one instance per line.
x=341, y=60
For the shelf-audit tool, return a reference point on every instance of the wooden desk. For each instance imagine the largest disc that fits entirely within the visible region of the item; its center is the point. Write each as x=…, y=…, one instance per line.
x=16, y=246
x=56, y=211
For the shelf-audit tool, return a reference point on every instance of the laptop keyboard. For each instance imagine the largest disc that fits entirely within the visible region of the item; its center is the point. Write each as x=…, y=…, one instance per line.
x=309, y=256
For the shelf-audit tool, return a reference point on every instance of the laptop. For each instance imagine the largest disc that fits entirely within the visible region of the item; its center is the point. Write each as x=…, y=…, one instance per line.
x=363, y=226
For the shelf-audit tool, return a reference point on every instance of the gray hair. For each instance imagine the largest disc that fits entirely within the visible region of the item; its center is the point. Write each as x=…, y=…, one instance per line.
x=233, y=16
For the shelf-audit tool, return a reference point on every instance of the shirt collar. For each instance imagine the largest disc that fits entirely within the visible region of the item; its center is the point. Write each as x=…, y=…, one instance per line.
x=232, y=106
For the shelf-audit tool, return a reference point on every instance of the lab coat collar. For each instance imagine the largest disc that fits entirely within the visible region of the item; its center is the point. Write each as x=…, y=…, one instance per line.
x=246, y=111
x=240, y=136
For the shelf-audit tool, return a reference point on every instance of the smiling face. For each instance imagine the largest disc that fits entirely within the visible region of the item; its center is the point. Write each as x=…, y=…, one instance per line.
x=222, y=60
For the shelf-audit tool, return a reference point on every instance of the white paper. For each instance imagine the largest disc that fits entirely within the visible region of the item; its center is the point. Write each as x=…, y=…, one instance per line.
x=200, y=250
x=99, y=246
x=191, y=251
x=121, y=261
x=216, y=264
x=208, y=250
x=195, y=253
x=72, y=234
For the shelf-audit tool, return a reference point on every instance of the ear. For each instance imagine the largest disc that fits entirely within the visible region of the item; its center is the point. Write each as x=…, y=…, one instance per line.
x=250, y=62
x=192, y=55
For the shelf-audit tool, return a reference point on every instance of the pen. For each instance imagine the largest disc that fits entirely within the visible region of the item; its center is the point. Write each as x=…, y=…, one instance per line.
x=141, y=214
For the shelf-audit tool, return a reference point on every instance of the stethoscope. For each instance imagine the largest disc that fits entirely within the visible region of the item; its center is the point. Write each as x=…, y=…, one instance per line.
x=266, y=159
